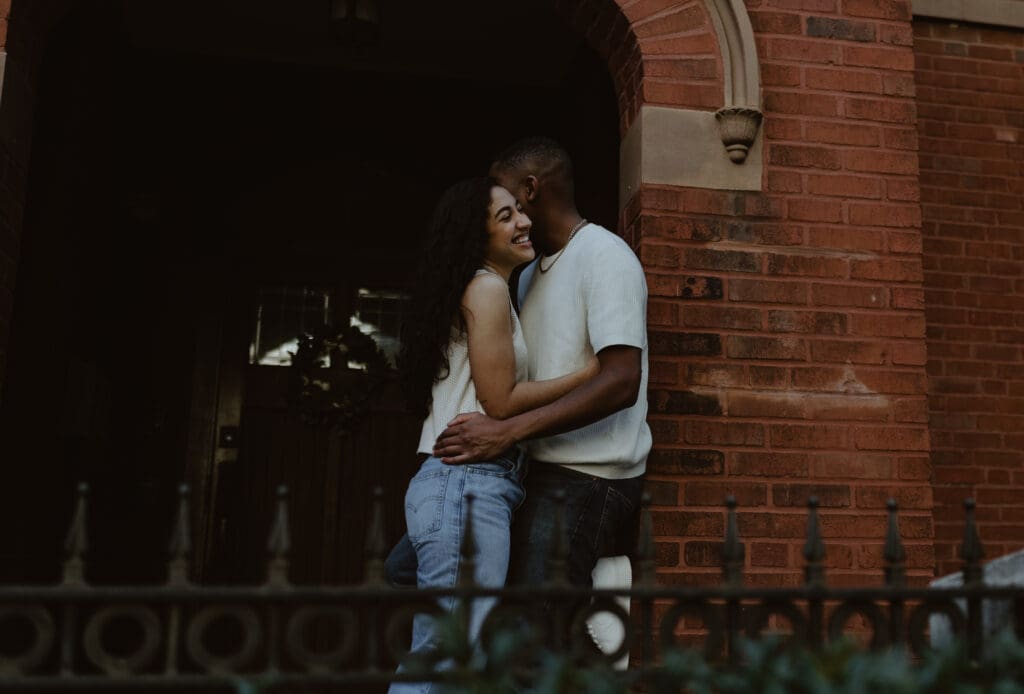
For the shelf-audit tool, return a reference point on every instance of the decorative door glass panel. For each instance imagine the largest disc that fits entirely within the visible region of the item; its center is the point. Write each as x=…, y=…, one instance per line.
x=379, y=314
x=282, y=314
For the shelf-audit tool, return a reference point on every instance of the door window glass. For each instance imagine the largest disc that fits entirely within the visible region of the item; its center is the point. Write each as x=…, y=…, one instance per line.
x=282, y=314
x=379, y=314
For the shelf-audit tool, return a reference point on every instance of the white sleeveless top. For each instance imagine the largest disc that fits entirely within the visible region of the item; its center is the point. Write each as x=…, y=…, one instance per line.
x=455, y=394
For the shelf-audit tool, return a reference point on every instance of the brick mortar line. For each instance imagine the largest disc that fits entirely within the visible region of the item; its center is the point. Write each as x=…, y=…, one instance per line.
x=795, y=251
x=966, y=91
x=705, y=30
x=690, y=57
x=973, y=59
x=661, y=79
x=847, y=310
x=801, y=512
x=786, y=421
x=867, y=149
x=874, y=96
x=788, y=62
x=781, y=249
x=664, y=12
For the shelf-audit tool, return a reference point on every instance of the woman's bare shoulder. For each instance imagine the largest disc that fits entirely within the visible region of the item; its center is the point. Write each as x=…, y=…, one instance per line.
x=487, y=285
x=487, y=293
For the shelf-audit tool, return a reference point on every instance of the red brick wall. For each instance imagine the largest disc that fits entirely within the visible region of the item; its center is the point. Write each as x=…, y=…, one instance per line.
x=787, y=327
x=970, y=99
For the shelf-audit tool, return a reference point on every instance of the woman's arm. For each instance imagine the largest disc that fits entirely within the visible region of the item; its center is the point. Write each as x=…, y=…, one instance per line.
x=488, y=314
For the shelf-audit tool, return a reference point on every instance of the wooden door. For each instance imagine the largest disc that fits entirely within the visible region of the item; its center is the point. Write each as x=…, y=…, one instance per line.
x=330, y=464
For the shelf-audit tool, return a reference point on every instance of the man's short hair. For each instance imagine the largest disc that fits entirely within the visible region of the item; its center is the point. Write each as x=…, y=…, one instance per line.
x=543, y=155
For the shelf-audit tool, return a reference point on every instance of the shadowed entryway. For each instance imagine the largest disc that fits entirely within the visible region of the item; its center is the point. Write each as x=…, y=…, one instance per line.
x=209, y=179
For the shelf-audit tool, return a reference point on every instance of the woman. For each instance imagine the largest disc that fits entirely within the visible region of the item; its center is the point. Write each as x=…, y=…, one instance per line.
x=463, y=351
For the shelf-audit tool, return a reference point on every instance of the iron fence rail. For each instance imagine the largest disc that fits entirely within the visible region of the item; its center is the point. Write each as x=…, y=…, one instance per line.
x=283, y=636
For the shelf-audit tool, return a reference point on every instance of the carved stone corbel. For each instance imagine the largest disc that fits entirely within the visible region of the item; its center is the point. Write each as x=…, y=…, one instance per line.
x=738, y=126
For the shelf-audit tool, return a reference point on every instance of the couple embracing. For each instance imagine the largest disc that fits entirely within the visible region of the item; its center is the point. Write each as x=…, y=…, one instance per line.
x=566, y=378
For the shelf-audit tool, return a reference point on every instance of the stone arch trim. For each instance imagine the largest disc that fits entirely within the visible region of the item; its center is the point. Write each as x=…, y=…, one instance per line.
x=740, y=118
x=739, y=52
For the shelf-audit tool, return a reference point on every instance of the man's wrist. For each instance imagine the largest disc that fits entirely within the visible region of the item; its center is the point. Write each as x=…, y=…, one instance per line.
x=516, y=429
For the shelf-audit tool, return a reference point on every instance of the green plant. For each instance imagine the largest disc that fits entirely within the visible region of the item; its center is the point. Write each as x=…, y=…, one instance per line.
x=338, y=396
x=766, y=666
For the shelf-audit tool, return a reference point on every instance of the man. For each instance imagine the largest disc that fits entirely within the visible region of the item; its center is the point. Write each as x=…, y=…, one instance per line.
x=592, y=444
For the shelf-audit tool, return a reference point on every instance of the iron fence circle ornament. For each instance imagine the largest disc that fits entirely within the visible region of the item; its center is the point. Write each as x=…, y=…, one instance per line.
x=513, y=615
x=74, y=635
x=252, y=638
x=866, y=609
x=295, y=637
x=400, y=626
x=43, y=633
x=918, y=622
x=708, y=613
x=583, y=643
x=144, y=617
x=762, y=612
x=526, y=619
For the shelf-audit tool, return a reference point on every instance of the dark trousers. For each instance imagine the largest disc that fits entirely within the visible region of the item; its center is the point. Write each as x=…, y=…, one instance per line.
x=600, y=519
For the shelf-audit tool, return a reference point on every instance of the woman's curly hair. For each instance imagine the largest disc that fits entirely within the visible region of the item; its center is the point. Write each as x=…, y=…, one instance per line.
x=452, y=252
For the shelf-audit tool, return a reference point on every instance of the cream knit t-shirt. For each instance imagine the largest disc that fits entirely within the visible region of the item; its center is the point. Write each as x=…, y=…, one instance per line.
x=594, y=296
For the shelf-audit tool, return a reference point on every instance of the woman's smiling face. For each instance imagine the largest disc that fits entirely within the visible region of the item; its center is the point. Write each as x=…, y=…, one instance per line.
x=508, y=231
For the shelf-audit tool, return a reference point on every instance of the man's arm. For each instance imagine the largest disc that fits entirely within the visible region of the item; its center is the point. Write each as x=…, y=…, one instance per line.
x=473, y=437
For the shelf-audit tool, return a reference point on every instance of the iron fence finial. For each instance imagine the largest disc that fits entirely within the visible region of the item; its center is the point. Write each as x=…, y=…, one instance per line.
x=814, y=548
x=279, y=543
x=971, y=551
x=76, y=543
x=645, y=545
x=181, y=541
x=558, y=562
x=376, y=541
x=894, y=553
x=733, y=551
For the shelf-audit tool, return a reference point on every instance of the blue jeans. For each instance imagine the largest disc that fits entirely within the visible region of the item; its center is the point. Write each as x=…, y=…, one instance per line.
x=601, y=517
x=435, y=510
x=400, y=565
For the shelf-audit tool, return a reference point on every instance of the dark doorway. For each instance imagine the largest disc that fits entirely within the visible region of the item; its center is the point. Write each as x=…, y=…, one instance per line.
x=202, y=170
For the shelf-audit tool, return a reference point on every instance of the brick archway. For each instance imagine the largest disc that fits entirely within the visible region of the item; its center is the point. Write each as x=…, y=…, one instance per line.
x=705, y=46
x=681, y=70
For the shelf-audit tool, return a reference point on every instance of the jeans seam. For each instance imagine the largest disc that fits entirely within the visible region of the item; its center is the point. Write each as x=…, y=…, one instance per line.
x=625, y=499
x=628, y=507
x=582, y=515
x=459, y=528
x=604, y=517
x=439, y=502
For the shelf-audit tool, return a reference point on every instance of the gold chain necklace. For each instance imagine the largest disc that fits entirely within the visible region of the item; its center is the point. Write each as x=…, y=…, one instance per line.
x=572, y=232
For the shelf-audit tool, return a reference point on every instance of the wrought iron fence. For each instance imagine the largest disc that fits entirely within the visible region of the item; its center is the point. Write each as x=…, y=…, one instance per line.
x=282, y=637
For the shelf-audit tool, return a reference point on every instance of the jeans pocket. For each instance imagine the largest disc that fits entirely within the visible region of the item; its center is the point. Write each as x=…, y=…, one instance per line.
x=504, y=464
x=424, y=503
x=498, y=468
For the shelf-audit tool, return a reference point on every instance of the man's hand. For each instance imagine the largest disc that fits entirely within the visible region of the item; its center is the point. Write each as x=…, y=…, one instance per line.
x=471, y=438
